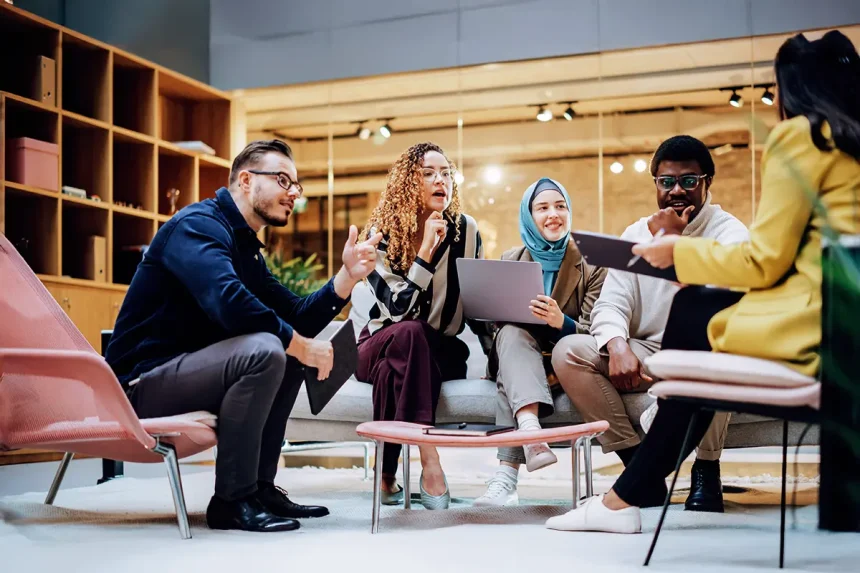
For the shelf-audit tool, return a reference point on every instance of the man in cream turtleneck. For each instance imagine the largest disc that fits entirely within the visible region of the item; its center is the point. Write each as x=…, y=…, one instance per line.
x=629, y=318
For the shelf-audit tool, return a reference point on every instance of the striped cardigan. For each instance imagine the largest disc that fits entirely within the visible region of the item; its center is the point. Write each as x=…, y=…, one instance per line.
x=430, y=291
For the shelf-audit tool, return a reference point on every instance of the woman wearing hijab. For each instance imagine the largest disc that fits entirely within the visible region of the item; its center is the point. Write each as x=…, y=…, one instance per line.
x=517, y=360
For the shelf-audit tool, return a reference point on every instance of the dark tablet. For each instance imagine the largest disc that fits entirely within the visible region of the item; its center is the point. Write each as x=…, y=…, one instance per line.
x=320, y=392
x=614, y=253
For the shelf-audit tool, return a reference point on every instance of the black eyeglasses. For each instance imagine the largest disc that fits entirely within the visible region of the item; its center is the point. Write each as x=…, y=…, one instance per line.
x=283, y=179
x=687, y=182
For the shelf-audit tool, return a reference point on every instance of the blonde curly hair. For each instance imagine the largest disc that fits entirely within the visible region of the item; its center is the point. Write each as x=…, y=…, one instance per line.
x=397, y=214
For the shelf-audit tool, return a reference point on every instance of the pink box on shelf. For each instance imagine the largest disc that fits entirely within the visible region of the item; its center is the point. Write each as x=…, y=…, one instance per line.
x=33, y=162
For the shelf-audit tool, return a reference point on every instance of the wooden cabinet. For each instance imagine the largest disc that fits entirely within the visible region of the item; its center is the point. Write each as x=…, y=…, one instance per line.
x=92, y=309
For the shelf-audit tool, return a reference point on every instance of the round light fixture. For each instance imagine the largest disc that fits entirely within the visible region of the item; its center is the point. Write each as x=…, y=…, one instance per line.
x=735, y=100
x=544, y=114
x=767, y=97
x=492, y=174
x=491, y=201
x=364, y=133
x=569, y=114
x=616, y=167
x=458, y=178
x=385, y=130
x=640, y=165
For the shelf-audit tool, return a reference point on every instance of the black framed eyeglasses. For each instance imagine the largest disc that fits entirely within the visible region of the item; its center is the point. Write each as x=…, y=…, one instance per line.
x=283, y=179
x=687, y=182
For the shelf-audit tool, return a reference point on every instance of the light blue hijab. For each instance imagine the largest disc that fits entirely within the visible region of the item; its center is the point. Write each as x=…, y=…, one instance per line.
x=548, y=254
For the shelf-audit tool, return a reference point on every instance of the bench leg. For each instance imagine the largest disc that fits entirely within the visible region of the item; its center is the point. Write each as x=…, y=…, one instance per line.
x=407, y=498
x=377, y=486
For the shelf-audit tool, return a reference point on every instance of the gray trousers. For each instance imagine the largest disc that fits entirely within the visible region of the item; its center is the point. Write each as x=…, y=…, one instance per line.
x=521, y=381
x=250, y=383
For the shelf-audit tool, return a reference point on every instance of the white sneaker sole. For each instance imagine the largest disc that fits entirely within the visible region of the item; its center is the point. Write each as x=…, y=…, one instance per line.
x=541, y=460
x=511, y=500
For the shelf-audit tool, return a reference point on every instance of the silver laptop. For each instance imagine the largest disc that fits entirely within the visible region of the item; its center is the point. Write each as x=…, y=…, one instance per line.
x=499, y=290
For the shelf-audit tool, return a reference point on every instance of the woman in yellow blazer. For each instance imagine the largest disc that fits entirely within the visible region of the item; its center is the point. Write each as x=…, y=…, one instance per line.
x=810, y=183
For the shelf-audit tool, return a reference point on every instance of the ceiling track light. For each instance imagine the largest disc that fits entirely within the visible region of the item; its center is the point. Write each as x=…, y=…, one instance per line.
x=544, y=114
x=569, y=114
x=363, y=132
x=385, y=130
x=767, y=97
x=735, y=100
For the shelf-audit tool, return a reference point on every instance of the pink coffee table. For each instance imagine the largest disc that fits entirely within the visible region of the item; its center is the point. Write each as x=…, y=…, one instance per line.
x=407, y=434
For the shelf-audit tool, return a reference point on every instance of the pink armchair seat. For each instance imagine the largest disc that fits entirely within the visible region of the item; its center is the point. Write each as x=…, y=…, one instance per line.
x=58, y=394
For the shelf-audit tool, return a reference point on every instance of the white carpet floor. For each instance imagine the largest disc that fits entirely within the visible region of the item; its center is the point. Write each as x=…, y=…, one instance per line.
x=129, y=525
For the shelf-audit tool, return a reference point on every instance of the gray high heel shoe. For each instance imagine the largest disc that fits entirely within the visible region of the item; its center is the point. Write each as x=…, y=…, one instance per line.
x=434, y=501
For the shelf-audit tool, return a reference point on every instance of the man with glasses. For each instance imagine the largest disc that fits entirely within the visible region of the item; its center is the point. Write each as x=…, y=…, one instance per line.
x=629, y=318
x=205, y=326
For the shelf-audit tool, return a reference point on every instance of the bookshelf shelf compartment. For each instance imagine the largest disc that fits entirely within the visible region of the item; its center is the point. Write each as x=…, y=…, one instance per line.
x=130, y=234
x=86, y=158
x=25, y=120
x=31, y=225
x=133, y=95
x=212, y=178
x=86, y=79
x=134, y=174
x=191, y=113
x=22, y=44
x=81, y=259
x=175, y=171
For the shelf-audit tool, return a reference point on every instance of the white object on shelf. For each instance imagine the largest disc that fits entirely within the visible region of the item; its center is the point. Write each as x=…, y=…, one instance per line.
x=74, y=192
x=197, y=146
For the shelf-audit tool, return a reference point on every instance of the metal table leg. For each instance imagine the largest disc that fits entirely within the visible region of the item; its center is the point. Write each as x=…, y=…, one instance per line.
x=377, y=486
x=589, y=481
x=407, y=500
x=574, y=457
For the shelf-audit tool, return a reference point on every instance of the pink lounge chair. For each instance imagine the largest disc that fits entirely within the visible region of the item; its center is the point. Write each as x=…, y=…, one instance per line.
x=731, y=383
x=58, y=394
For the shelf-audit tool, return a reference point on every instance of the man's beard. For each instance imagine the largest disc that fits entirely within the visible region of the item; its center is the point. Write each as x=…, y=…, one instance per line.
x=260, y=209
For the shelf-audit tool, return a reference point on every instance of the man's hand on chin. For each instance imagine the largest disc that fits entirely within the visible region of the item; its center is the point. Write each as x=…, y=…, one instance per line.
x=669, y=220
x=359, y=260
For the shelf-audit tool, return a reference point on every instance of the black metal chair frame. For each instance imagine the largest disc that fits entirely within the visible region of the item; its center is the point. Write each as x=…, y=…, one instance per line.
x=802, y=414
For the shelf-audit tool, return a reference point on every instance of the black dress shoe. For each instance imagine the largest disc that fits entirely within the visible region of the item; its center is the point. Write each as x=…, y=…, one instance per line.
x=275, y=499
x=247, y=514
x=706, y=489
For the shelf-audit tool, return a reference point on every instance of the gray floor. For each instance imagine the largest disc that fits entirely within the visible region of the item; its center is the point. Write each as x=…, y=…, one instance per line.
x=23, y=478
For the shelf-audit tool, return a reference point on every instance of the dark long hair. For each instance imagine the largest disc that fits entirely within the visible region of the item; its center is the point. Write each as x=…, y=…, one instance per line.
x=821, y=80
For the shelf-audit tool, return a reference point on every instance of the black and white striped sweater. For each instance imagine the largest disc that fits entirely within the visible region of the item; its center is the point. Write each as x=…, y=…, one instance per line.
x=430, y=290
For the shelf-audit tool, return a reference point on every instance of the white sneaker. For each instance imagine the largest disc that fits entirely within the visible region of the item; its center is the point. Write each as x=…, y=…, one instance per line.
x=538, y=456
x=647, y=417
x=500, y=493
x=592, y=515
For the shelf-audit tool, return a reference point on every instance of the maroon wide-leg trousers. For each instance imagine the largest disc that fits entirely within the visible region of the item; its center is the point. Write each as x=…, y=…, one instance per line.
x=407, y=362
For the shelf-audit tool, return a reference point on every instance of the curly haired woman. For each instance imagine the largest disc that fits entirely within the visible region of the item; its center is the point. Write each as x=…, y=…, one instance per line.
x=418, y=312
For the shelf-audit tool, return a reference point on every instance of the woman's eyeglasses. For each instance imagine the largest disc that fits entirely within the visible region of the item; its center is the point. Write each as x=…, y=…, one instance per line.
x=282, y=178
x=687, y=182
x=430, y=175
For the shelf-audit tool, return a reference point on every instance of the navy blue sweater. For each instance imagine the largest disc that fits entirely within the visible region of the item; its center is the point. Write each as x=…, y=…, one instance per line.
x=204, y=280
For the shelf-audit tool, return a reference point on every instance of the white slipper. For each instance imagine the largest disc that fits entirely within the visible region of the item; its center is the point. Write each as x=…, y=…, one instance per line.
x=592, y=515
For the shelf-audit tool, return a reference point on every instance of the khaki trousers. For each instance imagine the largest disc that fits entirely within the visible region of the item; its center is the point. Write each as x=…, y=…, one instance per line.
x=584, y=374
x=521, y=380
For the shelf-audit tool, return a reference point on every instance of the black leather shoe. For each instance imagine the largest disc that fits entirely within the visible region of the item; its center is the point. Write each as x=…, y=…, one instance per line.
x=275, y=499
x=706, y=489
x=247, y=514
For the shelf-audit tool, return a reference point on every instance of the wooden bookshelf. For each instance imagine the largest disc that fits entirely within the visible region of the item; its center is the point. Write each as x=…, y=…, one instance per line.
x=116, y=120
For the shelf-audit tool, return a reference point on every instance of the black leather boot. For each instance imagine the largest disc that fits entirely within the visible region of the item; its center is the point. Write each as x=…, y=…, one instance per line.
x=706, y=489
x=246, y=514
x=275, y=499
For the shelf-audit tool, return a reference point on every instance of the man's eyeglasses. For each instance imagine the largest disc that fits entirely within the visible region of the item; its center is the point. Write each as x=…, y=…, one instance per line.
x=283, y=179
x=687, y=182
x=430, y=174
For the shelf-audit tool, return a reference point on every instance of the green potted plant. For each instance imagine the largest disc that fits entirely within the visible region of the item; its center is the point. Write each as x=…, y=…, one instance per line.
x=297, y=274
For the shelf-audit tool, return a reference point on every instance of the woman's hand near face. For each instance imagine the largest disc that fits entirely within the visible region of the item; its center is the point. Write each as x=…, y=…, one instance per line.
x=435, y=229
x=546, y=309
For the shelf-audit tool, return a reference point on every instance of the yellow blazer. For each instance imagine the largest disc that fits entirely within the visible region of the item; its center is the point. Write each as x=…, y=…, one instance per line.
x=780, y=317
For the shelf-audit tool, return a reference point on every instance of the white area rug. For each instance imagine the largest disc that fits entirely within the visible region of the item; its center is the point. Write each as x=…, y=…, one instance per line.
x=129, y=525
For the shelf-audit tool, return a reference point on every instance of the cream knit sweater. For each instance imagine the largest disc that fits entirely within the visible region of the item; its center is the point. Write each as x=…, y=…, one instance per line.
x=637, y=306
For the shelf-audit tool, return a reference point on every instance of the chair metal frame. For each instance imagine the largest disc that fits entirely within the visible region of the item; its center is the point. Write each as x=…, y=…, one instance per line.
x=787, y=414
